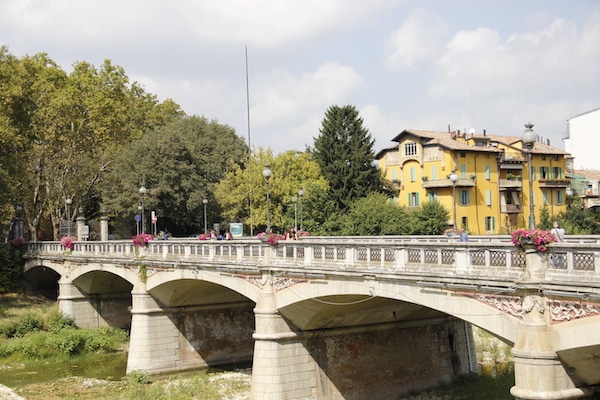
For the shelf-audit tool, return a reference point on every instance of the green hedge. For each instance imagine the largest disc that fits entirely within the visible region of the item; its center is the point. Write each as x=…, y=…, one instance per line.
x=11, y=266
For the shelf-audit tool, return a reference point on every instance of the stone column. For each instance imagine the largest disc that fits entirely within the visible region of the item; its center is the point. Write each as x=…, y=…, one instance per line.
x=282, y=367
x=539, y=374
x=80, y=225
x=104, y=228
x=154, y=343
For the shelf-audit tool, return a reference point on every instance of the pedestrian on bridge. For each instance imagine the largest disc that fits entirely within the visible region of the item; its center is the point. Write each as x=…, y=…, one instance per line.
x=558, y=232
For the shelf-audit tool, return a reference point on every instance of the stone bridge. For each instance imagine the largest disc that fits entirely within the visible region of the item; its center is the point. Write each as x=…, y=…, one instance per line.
x=340, y=318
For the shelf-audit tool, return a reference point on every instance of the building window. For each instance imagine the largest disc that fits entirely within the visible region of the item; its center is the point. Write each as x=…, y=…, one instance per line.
x=434, y=172
x=556, y=173
x=464, y=197
x=545, y=197
x=463, y=170
x=544, y=173
x=489, y=223
x=432, y=195
x=413, y=199
x=488, y=197
x=394, y=175
x=410, y=149
x=488, y=172
x=464, y=223
x=413, y=174
x=560, y=198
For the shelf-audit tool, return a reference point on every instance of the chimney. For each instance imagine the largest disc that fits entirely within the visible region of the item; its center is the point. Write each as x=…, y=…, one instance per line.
x=484, y=132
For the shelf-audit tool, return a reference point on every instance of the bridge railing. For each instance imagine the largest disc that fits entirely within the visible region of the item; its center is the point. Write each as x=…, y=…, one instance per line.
x=424, y=256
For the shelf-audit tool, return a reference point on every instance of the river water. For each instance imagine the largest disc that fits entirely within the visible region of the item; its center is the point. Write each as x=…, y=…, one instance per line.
x=110, y=367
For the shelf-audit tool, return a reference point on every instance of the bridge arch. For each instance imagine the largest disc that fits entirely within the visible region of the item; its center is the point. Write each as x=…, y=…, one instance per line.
x=319, y=304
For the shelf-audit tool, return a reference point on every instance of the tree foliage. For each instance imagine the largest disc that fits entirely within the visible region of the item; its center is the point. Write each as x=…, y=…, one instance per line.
x=374, y=215
x=60, y=132
x=291, y=171
x=344, y=152
x=431, y=219
x=179, y=164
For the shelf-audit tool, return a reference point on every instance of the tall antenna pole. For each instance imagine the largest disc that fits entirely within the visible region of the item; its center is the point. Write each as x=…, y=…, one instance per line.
x=249, y=147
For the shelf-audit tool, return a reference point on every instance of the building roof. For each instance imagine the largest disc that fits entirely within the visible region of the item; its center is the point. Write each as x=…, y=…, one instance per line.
x=592, y=174
x=449, y=140
x=444, y=139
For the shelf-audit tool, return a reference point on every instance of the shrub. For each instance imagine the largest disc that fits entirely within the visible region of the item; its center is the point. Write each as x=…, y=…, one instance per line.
x=106, y=339
x=56, y=321
x=67, y=341
x=12, y=267
x=28, y=322
x=138, y=377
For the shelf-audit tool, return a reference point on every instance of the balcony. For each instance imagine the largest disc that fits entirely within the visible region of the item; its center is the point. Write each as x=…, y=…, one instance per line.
x=554, y=183
x=510, y=208
x=511, y=160
x=444, y=183
x=511, y=184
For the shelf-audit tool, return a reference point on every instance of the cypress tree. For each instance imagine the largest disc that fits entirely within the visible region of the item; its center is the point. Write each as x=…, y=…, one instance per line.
x=344, y=151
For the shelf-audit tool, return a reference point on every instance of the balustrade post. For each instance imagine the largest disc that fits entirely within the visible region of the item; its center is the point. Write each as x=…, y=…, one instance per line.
x=461, y=260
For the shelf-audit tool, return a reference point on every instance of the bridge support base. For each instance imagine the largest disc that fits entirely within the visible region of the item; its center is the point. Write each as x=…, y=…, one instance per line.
x=282, y=367
x=539, y=374
x=155, y=338
x=74, y=304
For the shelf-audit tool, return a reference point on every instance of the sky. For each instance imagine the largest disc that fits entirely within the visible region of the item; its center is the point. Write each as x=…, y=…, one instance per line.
x=271, y=68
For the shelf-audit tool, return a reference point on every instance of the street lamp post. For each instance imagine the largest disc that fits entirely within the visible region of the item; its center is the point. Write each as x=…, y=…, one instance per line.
x=300, y=194
x=267, y=174
x=205, y=202
x=68, y=201
x=454, y=179
x=529, y=138
x=138, y=223
x=294, y=200
x=143, y=191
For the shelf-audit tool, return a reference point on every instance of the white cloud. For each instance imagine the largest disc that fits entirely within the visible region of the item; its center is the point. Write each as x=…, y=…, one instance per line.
x=417, y=42
x=295, y=106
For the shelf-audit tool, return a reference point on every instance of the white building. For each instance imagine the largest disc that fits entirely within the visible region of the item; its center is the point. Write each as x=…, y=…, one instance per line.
x=583, y=131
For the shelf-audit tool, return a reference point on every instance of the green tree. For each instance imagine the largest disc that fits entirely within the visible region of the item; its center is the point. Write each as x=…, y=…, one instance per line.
x=344, y=152
x=60, y=132
x=374, y=215
x=291, y=171
x=179, y=164
x=431, y=219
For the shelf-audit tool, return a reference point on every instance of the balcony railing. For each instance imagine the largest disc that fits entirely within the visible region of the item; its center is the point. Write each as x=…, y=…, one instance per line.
x=554, y=183
x=443, y=183
x=510, y=184
x=511, y=208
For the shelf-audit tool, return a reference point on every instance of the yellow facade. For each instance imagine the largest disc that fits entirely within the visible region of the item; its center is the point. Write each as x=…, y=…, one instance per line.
x=482, y=180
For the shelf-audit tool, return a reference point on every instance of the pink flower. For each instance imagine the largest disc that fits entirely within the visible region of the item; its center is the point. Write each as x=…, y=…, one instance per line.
x=142, y=239
x=537, y=237
x=68, y=242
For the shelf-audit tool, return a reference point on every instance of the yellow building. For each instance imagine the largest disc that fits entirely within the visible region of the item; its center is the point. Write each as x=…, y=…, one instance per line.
x=483, y=180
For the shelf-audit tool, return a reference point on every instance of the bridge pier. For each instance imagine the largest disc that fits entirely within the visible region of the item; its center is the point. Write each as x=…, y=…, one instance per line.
x=539, y=373
x=282, y=367
x=154, y=344
x=78, y=306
